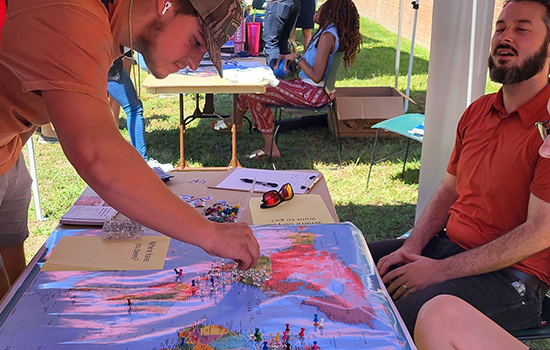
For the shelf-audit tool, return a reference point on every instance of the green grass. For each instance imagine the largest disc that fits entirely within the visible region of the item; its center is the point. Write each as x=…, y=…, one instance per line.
x=386, y=210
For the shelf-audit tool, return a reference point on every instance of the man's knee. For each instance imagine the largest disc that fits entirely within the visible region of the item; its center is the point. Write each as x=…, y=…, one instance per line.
x=436, y=312
x=409, y=306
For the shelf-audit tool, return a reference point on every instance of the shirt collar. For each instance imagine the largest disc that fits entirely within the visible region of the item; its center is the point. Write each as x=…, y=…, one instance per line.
x=530, y=112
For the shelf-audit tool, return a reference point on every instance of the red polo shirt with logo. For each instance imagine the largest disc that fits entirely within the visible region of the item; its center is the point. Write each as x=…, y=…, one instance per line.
x=497, y=166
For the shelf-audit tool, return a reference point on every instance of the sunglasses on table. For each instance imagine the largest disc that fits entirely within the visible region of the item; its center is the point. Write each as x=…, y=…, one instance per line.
x=273, y=198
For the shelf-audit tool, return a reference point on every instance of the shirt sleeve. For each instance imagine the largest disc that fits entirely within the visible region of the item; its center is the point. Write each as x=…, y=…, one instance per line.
x=63, y=47
x=540, y=186
x=455, y=155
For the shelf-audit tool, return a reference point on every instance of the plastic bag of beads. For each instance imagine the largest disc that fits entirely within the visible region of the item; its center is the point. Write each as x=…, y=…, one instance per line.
x=119, y=228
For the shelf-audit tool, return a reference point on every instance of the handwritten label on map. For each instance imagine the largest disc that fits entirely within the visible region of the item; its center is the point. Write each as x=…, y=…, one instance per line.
x=305, y=209
x=88, y=253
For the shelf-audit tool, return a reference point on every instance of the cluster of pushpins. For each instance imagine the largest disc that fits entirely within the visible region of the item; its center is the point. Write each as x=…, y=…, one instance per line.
x=280, y=341
x=119, y=228
x=319, y=323
x=252, y=277
x=221, y=212
x=217, y=278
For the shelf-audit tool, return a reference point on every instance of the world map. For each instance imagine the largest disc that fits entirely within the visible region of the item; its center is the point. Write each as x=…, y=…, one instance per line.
x=314, y=287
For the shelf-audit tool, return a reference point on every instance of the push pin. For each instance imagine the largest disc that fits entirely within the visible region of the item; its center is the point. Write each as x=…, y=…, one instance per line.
x=251, y=335
x=321, y=323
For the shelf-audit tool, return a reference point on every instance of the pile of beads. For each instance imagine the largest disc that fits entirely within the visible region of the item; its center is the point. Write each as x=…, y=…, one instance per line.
x=221, y=212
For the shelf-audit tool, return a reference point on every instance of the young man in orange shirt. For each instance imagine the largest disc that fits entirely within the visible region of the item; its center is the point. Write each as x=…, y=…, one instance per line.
x=484, y=235
x=54, y=60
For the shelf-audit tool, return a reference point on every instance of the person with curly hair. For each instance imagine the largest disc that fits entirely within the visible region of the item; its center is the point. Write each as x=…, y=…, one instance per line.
x=338, y=31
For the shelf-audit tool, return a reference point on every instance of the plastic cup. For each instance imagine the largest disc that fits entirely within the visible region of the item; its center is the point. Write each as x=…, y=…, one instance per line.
x=253, y=31
x=239, y=38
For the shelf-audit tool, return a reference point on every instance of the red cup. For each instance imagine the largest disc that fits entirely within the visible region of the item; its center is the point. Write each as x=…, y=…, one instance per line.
x=253, y=32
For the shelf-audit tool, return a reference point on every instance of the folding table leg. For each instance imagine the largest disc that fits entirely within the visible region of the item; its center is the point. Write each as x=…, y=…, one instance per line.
x=372, y=158
x=234, y=161
x=182, y=164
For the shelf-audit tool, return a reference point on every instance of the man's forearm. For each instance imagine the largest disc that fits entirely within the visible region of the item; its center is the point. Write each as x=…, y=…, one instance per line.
x=115, y=170
x=507, y=250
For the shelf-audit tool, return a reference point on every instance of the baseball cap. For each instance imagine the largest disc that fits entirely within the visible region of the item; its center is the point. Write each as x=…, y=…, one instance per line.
x=219, y=20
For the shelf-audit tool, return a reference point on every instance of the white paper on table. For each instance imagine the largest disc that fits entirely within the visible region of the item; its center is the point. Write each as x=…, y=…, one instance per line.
x=301, y=181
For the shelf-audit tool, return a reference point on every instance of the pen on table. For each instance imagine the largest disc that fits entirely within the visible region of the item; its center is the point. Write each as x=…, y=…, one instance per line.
x=268, y=184
x=308, y=188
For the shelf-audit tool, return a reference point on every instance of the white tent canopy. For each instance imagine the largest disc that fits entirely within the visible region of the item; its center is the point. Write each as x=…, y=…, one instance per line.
x=461, y=34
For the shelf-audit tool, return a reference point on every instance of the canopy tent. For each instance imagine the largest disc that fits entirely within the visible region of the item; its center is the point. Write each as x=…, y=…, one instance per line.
x=461, y=34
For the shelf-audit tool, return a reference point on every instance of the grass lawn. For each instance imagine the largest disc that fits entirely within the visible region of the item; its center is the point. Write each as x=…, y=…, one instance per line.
x=387, y=210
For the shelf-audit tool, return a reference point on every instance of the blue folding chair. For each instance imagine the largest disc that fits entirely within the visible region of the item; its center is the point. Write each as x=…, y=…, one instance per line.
x=399, y=125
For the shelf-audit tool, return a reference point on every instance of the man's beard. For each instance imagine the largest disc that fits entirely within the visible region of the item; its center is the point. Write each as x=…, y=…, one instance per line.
x=516, y=74
x=146, y=45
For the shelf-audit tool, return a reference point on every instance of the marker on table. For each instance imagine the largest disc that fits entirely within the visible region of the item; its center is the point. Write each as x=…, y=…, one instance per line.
x=268, y=184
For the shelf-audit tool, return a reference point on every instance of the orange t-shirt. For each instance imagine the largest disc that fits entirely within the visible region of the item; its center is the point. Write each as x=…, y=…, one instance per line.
x=497, y=165
x=51, y=45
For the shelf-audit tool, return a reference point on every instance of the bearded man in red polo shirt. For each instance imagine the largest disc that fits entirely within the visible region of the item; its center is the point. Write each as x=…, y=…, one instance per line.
x=485, y=233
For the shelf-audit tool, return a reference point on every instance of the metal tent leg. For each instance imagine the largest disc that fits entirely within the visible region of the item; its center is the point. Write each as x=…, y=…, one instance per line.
x=36, y=195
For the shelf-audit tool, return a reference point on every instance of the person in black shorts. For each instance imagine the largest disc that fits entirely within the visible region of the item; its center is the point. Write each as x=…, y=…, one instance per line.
x=305, y=20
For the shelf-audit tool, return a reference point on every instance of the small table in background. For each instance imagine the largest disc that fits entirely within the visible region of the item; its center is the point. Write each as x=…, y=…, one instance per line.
x=180, y=84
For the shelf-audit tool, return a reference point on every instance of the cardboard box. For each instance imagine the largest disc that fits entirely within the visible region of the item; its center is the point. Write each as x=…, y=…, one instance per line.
x=359, y=108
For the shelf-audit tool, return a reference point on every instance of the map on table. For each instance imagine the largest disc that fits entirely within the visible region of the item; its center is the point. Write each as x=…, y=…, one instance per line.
x=314, y=287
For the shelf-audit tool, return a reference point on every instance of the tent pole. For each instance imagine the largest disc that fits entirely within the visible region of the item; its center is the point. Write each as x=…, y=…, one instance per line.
x=36, y=195
x=469, y=92
x=398, y=49
x=416, y=5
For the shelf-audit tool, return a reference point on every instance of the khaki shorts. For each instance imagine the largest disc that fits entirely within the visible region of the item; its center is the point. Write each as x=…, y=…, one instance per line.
x=15, y=196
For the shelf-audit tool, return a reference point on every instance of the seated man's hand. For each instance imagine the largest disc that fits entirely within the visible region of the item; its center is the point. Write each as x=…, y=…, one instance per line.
x=386, y=263
x=234, y=241
x=419, y=272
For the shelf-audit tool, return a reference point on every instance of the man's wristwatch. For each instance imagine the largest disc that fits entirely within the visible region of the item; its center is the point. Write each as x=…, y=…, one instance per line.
x=298, y=59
